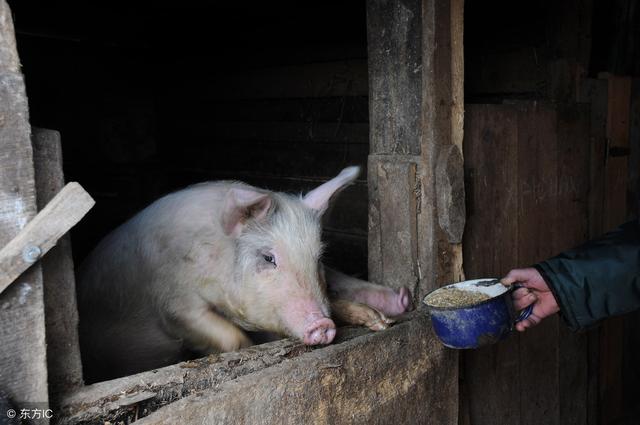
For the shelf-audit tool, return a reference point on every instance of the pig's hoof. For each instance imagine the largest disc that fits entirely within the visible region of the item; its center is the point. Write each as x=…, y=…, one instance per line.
x=377, y=321
x=322, y=331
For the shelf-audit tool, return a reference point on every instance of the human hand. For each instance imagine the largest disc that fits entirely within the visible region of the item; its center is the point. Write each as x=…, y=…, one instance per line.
x=535, y=291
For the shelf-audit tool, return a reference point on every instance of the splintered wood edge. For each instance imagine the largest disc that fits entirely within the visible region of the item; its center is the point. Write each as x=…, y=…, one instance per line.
x=64, y=211
x=151, y=390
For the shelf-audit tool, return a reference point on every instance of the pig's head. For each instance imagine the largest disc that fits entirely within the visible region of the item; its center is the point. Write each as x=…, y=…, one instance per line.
x=280, y=283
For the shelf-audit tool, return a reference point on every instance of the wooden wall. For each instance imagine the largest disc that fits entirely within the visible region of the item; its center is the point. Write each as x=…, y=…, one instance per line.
x=527, y=168
x=569, y=164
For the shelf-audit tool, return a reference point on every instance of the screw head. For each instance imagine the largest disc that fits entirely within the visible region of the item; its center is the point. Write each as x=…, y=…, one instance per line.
x=31, y=253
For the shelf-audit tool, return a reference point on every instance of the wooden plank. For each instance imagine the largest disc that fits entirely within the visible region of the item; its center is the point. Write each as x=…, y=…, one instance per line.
x=396, y=204
x=23, y=369
x=61, y=315
x=594, y=93
x=537, y=229
x=615, y=213
x=572, y=224
x=490, y=247
x=42, y=232
x=111, y=400
x=634, y=146
x=631, y=351
x=395, y=65
x=378, y=378
x=364, y=359
x=440, y=260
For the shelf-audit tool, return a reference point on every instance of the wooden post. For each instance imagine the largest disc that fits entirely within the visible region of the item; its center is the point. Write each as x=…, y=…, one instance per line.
x=23, y=367
x=63, y=351
x=415, y=174
x=416, y=213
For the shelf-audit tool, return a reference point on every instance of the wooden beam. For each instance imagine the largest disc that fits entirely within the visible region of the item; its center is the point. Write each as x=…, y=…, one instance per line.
x=61, y=314
x=416, y=108
x=373, y=375
x=23, y=367
x=42, y=232
x=416, y=115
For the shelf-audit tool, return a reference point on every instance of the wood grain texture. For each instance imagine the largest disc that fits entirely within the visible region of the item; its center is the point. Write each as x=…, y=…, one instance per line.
x=61, y=314
x=527, y=180
x=287, y=382
x=490, y=384
x=573, y=130
x=396, y=55
x=23, y=369
x=377, y=378
x=594, y=93
x=43, y=231
x=537, y=229
x=9, y=61
x=616, y=172
x=396, y=204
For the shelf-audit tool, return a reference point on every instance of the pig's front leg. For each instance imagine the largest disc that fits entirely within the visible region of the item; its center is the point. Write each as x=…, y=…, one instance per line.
x=352, y=313
x=206, y=332
x=381, y=298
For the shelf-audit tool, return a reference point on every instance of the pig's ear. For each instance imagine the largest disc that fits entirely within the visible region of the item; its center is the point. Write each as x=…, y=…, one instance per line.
x=318, y=198
x=242, y=205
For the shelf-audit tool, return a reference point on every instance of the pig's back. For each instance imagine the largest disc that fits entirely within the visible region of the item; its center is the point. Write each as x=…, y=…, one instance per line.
x=124, y=283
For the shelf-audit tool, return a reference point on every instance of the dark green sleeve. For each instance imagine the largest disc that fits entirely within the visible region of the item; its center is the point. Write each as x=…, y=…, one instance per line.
x=598, y=279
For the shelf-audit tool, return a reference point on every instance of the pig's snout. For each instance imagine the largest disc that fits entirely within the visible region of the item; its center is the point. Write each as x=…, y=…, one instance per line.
x=321, y=331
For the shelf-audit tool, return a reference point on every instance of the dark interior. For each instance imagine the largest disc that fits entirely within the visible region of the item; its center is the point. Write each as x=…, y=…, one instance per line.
x=151, y=98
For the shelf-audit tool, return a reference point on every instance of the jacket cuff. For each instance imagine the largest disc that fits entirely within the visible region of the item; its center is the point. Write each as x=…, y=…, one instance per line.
x=566, y=312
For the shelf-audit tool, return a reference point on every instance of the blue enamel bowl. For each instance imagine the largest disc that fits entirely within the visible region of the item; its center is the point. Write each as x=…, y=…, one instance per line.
x=479, y=324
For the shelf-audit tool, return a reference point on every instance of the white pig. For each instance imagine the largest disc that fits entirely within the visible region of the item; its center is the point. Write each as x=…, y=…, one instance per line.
x=195, y=269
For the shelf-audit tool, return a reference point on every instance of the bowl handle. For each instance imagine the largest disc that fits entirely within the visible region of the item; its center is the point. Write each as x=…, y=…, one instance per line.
x=524, y=314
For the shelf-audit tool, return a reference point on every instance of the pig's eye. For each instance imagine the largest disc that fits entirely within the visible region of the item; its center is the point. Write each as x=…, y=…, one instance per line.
x=269, y=259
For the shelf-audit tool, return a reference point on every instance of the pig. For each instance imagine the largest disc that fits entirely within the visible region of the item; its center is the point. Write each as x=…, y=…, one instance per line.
x=195, y=270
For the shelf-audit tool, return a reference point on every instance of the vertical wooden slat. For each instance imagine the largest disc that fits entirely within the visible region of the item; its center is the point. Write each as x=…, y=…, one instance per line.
x=396, y=214
x=414, y=47
x=615, y=212
x=490, y=246
x=395, y=61
x=61, y=314
x=573, y=186
x=23, y=371
x=527, y=200
x=594, y=93
x=537, y=205
x=631, y=352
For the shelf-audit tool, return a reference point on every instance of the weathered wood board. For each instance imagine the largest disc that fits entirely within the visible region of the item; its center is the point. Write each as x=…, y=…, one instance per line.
x=616, y=179
x=23, y=368
x=61, y=315
x=527, y=167
x=397, y=376
x=489, y=376
x=364, y=377
x=415, y=98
